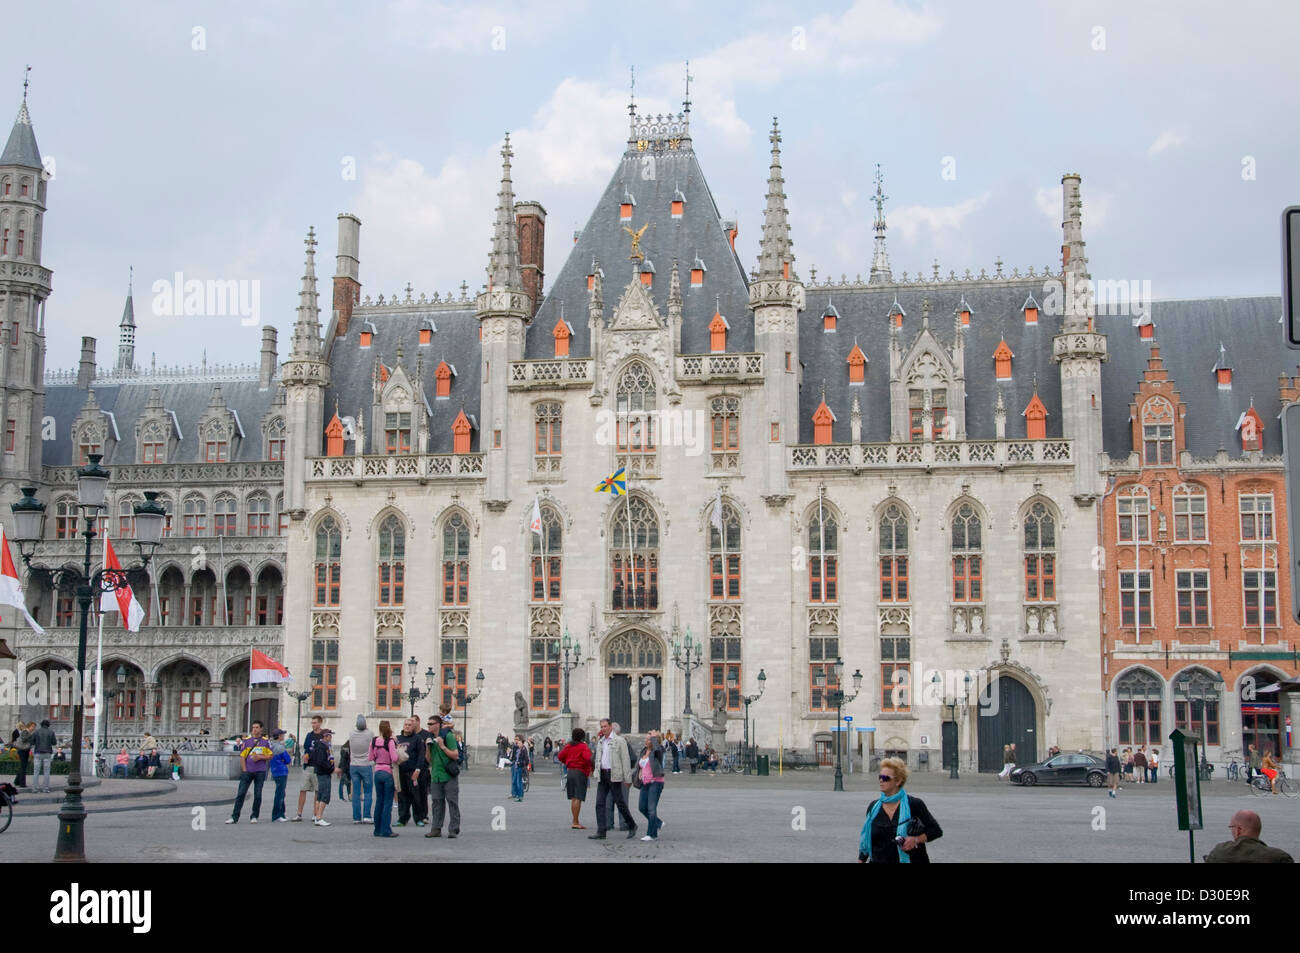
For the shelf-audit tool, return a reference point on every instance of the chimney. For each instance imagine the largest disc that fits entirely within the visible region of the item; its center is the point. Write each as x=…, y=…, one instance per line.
x=347, y=273
x=86, y=372
x=269, y=358
x=530, y=218
x=731, y=230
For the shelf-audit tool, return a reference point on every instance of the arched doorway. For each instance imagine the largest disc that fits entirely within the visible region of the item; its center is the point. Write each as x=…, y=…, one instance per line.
x=1015, y=721
x=634, y=664
x=1261, y=712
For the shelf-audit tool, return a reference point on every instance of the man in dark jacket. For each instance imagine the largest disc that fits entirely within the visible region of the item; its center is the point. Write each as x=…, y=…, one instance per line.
x=409, y=774
x=321, y=760
x=1112, y=770
x=1246, y=847
x=43, y=744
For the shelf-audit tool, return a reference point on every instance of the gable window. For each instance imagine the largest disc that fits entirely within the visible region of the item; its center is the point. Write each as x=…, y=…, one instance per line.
x=967, y=562
x=1189, y=514
x=893, y=555
x=155, y=452
x=1133, y=511
x=916, y=412
x=1157, y=432
x=88, y=446
x=1040, y=554
x=1256, y=516
x=216, y=451
x=397, y=433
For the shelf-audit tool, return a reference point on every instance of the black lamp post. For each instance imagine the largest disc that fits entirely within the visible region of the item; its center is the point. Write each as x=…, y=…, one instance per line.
x=108, y=702
x=413, y=694
x=299, y=697
x=29, y=515
x=478, y=690
x=733, y=682
x=955, y=705
x=567, y=663
x=688, y=657
x=837, y=697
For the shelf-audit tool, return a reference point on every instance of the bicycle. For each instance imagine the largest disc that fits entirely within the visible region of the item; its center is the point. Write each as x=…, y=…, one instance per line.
x=1259, y=785
x=1232, y=772
x=101, y=767
x=6, y=805
x=1206, y=771
x=731, y=763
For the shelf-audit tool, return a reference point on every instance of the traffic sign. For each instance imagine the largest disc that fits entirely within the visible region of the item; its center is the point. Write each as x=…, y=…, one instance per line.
x=1291, y=274
x=848, y=717
x=1291, y=454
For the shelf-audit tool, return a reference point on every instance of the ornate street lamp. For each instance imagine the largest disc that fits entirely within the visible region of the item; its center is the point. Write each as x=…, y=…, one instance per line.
x=29, y=513
x=568, y=661
x=733, y=683
x=413, y=694
x=688, y=656
x=478, y=690
x=837, y=697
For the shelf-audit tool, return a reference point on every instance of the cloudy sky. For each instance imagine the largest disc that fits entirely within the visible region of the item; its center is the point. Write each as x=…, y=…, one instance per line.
x=204, y=138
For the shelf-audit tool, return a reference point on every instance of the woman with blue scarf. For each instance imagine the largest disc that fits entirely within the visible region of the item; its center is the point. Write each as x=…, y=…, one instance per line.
x=898, y=825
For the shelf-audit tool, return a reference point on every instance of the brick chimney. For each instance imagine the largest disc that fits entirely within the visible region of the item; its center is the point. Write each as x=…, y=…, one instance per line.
x=86, y=370
x=269, y=358
x=347, y=273
x=530, y=218
x=1289, y=387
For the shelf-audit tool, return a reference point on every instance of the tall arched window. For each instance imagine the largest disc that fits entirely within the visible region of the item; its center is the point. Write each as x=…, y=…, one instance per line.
x=635, y=417
x=392, y=562
x=1138, y=694
x=259, y=515
x=455, y=561
x=547, y=420
x=823, y=564
x=1040, y=554
x=893, y=555
x=548, y=557
x=725, y=431
x=724, y=554
x=1189, y=514
x=967, y=561
x=1133, y=509
x=329, y=553
x=196, y=516
x=225, y=513
x=634, y=543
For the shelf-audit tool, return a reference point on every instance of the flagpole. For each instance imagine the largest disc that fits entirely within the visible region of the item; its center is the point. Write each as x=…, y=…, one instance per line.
x=99, y=673
x=225, y=594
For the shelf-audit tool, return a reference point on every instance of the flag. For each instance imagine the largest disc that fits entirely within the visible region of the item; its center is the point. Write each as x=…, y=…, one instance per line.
x=536, y=524
x=122, y=599
x=717, y=512
x=11, y=591
x=615, y=483
x=263, y=668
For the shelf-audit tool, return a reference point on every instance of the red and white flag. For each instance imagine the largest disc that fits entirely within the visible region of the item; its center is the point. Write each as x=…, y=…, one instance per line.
x=123, y=599
x=11, y=591
x=266, y=669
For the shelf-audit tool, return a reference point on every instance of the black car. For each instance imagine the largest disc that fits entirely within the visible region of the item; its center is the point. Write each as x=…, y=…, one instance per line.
x=1077, y=768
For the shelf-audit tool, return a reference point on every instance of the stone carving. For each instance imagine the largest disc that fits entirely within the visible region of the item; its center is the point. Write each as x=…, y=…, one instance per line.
x=521, y=711
x=719, y=712
x=1031, y=619
x=1049, y=622
x=977, y=623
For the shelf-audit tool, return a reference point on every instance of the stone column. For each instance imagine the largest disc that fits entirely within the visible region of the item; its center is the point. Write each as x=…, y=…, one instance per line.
x=216, y=724
x=152, y=692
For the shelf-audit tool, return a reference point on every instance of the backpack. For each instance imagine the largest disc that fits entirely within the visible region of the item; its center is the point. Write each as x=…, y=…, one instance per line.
x=452, y=765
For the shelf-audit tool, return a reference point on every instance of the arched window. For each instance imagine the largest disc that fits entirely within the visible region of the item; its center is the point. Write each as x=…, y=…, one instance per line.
x=225, y=513
x=329, y=552
x=1133, y=508
x=392, y=563
x=548, y=557
x=725, y=413
x=1189, y=514
x=196, y=516
x=1040, y=554
x=126, y=517
x=634, y=544
x=455, y=561
x=259, y=515
x=275, y=439
x=65, y=518
x=1138, y=694
x=1196, y=704
x=893, y=555
x=1157, y=432
x=635, y=417
x=282, y=518
x=724, y=554
x=967, y=561
x=192, y=695
x=824, y=563
x=547, y=420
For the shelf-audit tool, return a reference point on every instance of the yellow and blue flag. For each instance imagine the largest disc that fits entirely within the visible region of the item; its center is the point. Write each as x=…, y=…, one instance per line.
x=615, y=483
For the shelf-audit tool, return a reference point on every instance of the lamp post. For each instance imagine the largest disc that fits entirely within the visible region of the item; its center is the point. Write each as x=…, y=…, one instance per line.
x=108, y=701
x=733, y=682
x=299, y=697
x=567, y=664
x=413, y=694
x=954, y=704
x=29, y=515
x=478, y=690
x=837, y=697
x=688, y=657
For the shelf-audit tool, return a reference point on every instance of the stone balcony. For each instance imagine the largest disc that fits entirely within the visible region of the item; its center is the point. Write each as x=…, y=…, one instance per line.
x=559, y=372
x=942, y=454
x=418, y=467
x=708, y=368
x=164, y=475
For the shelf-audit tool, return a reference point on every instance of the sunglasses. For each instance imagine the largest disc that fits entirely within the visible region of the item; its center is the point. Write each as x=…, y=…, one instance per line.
x=886, y=777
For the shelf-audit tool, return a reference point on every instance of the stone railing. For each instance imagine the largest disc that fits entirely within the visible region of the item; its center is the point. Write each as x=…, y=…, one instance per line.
x=557, y=372
x=135, y=645
x=419, y=466
x=956, y=454
x=703, y=368
x=162, y=475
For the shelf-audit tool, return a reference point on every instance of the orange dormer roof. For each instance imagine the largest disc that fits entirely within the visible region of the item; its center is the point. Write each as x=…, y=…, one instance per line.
x=823, y=414
x=1002, y=361
x=1035, y=419
x=857, y=365
x=383, y=373
x=334, y=437
x=719, y=323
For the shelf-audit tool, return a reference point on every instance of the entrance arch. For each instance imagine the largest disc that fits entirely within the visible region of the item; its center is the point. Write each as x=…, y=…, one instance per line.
x=634, y=665
x=1016, y=722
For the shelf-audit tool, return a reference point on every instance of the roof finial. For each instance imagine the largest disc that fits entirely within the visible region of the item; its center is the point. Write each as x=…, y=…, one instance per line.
x=631, y=95
x=880, y=260
x=130, y=280
x=686, y=103
x=26, y=80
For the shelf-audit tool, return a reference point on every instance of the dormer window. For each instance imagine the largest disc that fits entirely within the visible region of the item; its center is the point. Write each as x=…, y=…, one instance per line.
x=823, y=419
x=444, y=374
x=697, y=273
x=1251, y=427
x=460, y=429
x=367, y=334
x=426, y=336
x=678, y=204
x=1030, y=307
x=1002, y=361
x=718, y=329
x=1035, y=419
x=830, y=318
x=964, y=312
x=562, y=335
x=334, y=437
x=857, y=365
x=1146, y=328
x=397, y=433
x=896, y=314
x=1157, y=432
x=626, y=206
x=647, y=273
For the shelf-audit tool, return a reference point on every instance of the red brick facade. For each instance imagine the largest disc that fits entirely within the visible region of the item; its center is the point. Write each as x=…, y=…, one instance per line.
x=530, y=219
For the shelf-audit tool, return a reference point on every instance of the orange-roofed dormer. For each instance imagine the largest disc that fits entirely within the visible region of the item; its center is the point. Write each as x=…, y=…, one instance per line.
x=443, y=375
x=718, y=329
x=1035, y=419
x=1030, y=307
x=334, y=437
x=383, y=373
x=823, y=417
x=1002, y=361
x=460, y=430
x=857, y=365
x=562, y=335
x=1251, y=426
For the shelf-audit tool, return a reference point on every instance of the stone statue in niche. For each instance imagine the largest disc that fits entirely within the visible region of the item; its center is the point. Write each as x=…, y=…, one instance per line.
x=977, y=623
x=957, y=622
x=720, y=712
x=521, y=711
x=1032, y=619
x=1049, y=622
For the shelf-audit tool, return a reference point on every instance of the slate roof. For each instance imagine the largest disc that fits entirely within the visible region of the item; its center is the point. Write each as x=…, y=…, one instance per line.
x=456, y=341
x=1188, y=333
x=698, y=232
x=21, y=147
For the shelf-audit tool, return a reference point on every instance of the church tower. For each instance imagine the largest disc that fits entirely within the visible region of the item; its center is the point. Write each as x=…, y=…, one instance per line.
x=305, y=375
x=126, y=337
x=24, y=286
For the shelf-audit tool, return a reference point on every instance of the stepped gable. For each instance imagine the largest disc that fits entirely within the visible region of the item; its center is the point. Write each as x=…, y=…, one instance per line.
x=455, y=341
x=1188, y=333
x=699, y=232
x=864, y=310
x=187, y=399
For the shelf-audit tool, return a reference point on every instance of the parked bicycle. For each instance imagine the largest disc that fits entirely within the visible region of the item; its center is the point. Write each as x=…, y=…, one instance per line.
x=1259, y=785
x=102, y=770
x=731, y=763
x=8, y=794
x=1206, y=771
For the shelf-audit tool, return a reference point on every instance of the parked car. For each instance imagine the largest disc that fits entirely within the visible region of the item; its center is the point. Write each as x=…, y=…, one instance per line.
x=1076, y=768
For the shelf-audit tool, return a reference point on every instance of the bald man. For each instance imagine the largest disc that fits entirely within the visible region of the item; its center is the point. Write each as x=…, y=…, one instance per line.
x=1246, y=847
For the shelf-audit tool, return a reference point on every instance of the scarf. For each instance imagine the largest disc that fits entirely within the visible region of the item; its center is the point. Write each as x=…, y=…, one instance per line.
x=901, y=818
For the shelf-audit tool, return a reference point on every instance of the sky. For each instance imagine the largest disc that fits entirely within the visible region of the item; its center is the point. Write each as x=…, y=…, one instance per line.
x=206, y=138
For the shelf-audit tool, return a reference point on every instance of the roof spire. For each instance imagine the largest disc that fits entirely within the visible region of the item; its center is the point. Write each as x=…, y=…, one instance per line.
x=880, y=260
x=686, y=102
x=503, y=263
x=306, y=326
x=631, y=98
x=21, y=147
x=775, y=257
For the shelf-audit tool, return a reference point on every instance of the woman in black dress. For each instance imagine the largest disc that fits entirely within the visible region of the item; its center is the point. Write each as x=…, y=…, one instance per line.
x=898, y=826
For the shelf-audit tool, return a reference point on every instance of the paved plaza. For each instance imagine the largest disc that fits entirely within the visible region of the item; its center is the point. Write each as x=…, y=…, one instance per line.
x=795, y=818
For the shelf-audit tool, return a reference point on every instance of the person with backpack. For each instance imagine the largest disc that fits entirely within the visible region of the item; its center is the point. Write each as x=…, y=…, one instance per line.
x=322, y=761
x=384, y=754
x=519, y=765
x=409, y=805
x=280, y=761
x=444, y=786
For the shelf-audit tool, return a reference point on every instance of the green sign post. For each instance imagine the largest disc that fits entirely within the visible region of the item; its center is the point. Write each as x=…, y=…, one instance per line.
x=1187, y=786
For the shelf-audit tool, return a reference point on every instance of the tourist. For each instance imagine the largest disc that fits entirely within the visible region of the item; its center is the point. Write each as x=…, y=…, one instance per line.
x=43, y=744
x=281, y=758
x=1254, y=763
x=547, y=748
x=692, y=754
x=651, y=766
x=1112, y=770
x=1140, y=764
x=408, y=776
x=362, y=771
x=154, y=762
x=123, y=764
x=898, y=826
x=174, y=765
x=1153, y=765
x=444, y=787
x=308, y=773
x=520, y=764
x=22, y=742
x=1267, y=765
x=615, y=769
x=1245, y=846
x=576, y=758
x=675, y=746
x=345, y=770
x=322, y=761
x=254, y=757
x=1008, y=761
x=383, y=754
x=432, y=727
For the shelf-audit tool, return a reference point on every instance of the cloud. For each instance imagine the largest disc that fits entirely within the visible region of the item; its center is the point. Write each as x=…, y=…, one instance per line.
x=910, y=220
x=1166, y=140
